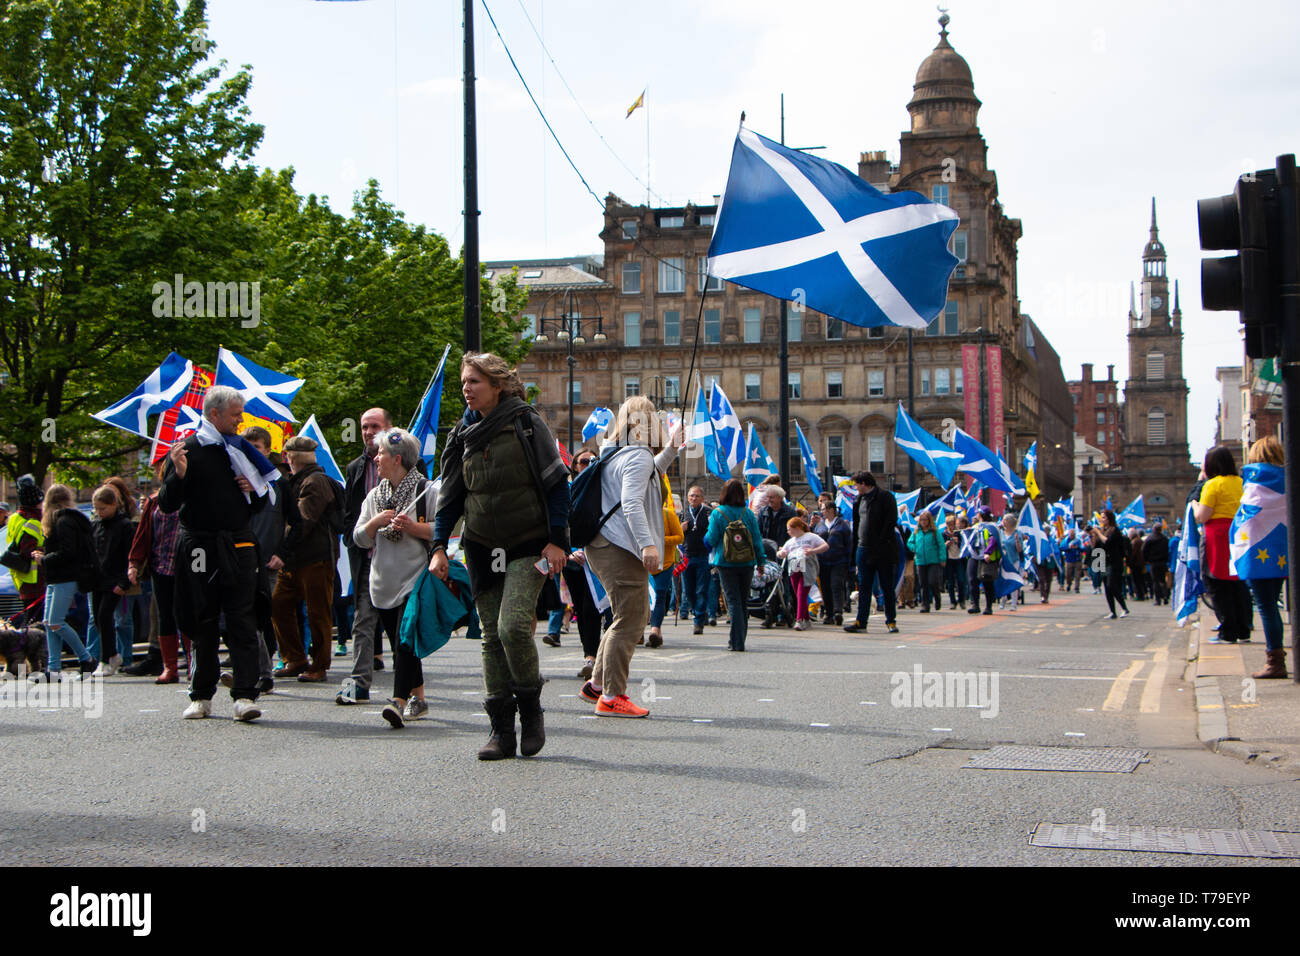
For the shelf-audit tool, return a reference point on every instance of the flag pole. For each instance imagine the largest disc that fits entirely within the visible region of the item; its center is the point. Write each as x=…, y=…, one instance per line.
x=783, y=375
x=647, y=148
x=473, y=334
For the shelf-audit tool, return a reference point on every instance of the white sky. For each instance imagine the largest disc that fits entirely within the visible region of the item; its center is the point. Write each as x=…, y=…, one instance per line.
x=1089, y=111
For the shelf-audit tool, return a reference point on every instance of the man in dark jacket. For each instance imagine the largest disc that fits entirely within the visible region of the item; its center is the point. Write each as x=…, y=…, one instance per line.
x=875, y=519
x=774, y=514
x=695, y=579
x=1155, y=552
x=305, y=559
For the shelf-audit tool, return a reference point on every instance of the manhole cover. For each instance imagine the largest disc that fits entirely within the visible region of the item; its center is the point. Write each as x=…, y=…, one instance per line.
x=1103, y=760
x=1062, y=666
x=1270, y=844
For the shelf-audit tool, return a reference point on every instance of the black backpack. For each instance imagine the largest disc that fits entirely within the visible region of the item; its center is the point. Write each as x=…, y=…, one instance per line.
x=90, y=573
x=335, y=517
x=587, y=514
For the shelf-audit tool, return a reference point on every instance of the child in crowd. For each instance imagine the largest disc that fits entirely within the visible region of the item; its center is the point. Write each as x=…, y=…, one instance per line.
x=801, y=547
x=113, y=533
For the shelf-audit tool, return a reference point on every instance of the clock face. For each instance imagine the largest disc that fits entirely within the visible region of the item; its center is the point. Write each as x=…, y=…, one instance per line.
x=1156, y=302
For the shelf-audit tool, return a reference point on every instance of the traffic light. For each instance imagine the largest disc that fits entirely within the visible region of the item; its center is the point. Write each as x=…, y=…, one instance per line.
x=1249, y=221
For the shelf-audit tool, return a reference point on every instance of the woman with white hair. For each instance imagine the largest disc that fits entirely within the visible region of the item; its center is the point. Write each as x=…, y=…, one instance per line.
x=394, y=523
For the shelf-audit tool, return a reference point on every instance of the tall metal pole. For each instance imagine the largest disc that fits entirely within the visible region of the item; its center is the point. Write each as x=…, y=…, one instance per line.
x=911, y=410
x=1289, y=319
x=783, y=360
x=985, y=424
x=473, y=332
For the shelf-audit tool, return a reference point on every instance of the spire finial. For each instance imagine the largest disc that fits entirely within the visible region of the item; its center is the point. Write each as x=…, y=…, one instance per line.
x=1132, y=303
x=1154, y=231
x=1176, y=307
x=944, y=20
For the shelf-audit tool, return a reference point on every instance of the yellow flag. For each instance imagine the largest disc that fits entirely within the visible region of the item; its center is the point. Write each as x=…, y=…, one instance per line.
x=276, y=430
x=640, y=101
x=1031, y=485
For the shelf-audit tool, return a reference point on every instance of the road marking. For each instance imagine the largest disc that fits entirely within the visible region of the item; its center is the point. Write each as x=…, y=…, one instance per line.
x=586, y=716
x=661, y=697
x=470, y=693
x=150, y=710
x=1119, y=689
x=867, y=703
x=1070, y=733
x=819, y=725
x=478, y=715
x=766, y=700
x=701, y=720
x=942, y=730
x=568, y=695
x=1150, y=703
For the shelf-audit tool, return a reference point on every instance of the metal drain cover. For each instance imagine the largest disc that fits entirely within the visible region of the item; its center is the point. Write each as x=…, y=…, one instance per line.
x=1269, y=844
x=1102, y=760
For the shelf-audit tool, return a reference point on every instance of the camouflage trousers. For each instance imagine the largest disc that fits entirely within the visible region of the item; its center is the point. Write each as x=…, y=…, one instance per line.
x=508, y=614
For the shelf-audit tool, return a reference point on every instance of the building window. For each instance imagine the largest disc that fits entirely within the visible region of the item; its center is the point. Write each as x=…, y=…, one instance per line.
x=753, y=386
x=577, y=391
x=951, y=325
x=530, y=330
x=707, y=282
x=834, y=329
x=672, y=275
x=631, y=278
x=796, y=461
x=671, y=222
x=958, y=244
x=631, y=385
x=672, y=389
x=941, y=381
x=712, y=326
x=632, y=329
x=1155, y=366
x=629, y=228
x=1101, y=418
x=1101, y=398
x=1156, y=427
x=875, y=454
x=876, y=383
x=753, y=325
x=708, y=218
x=1101, y=437
x=925, y=381
x=939, y=193
x=876, y=332
x=672, y=327
x=957, y=375
x=794, y=324
x=835, y=454
x=835, y=384
x=794, y=388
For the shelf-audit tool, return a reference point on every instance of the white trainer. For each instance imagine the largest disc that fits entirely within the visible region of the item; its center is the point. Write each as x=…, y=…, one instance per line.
x=247, y=711
x=197, y=710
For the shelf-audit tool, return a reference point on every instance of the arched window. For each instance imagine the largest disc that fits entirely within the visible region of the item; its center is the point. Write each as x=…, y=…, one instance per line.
x=1156, y=427
x=1155, y=366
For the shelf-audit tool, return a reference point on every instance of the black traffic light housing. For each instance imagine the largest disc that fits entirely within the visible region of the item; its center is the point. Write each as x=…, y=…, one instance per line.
x=1249, y=221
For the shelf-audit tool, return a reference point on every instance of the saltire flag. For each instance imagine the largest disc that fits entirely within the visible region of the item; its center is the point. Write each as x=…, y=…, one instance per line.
x=907, y=509
x=1004, y=469
x=163, y=389
x=597, y=422
x=726, y=428
x=424, y=426
x=846, y=492
x=1187, y=573
x=1058, y=513
x=1257, y=540
x=267, y=394
x=181, y=420
x=700, y=431
x=1010, y=578
x=972, y=495
x=982, y=464
x=809, y=461
x=951, y=501
x=790, y=222
x=923, y=448
x=640, y=101
x=1034, y=535
x=970, y=538
x=324, y=457
x=599, y=597
x=1134, y=516
x=758, y=463
x=1031, y=462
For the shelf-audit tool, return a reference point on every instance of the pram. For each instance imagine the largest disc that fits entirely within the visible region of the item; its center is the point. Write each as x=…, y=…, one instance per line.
x=770, y=595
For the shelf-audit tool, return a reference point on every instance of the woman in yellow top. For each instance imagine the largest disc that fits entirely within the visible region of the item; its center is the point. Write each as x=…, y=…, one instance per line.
x=1220, y=498
x=663, y=578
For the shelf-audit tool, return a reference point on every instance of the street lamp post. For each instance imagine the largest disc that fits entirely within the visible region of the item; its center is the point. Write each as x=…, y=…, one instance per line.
x=569, y=332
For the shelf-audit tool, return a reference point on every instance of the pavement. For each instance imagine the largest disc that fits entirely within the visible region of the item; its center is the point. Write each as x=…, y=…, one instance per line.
x=1257, y=721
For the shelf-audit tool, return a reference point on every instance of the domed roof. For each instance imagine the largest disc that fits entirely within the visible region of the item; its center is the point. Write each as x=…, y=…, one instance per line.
x=944, y=74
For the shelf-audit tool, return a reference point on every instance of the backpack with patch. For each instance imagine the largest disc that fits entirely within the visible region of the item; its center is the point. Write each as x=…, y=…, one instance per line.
x=587, y=514
x=737, y=544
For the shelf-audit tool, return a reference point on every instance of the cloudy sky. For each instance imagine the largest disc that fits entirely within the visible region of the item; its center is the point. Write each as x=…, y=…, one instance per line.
x=1089, y=111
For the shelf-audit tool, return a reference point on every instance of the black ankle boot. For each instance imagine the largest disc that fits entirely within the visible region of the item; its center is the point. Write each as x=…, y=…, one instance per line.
x=532, y=729
x=150, y=666
x=501, y=711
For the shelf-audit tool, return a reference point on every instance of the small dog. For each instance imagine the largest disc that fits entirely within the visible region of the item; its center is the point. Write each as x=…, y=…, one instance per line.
x=24, y=651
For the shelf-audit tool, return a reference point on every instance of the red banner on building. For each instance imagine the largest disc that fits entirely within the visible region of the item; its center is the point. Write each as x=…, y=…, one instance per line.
x=997, y=420
x=970, y=364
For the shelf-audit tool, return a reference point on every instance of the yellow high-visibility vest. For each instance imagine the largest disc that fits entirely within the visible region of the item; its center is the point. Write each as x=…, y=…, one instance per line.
x=13, y=531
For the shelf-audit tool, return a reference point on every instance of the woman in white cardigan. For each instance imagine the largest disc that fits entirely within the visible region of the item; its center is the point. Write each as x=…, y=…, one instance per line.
x=628, y=548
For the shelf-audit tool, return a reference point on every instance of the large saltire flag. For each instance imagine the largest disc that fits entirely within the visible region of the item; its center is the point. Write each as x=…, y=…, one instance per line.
x=726, y=428
x=267, y=394
x=810, y=466
x=951, y=501
x=1187, y=573
x=424, y=426
x=164, y=388
x=1031, y=462
x=981, y=463
x=798, y=227
x=324, y=457
x=1009, y=476
x=1010, y=578
x=1134, y=516
x=923, y=448
x=758, y=463
x=700, y=431
x=1033, y=532
x=1257, y=539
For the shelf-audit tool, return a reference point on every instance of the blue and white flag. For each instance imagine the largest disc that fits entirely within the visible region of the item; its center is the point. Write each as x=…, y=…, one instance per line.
x=923, y=448
x=1034, y=535
x=1257, y=540
x=726, y=428
x=700, y=431
x=267, y=394
x=1009, y=476
x=1134, y=516
x=846, y=492
x=424, y=426
x=1010, y=578
x=970, y=538
x=324, y=457
x=907, y=509
x=791, y=223
x=810, y=466
x=982, y=464
x=952, y=500
x=1188, y=586
x=596, y=423
x=758, y=463
x=599, y=597
x=164, y=388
